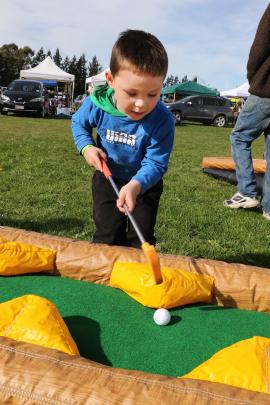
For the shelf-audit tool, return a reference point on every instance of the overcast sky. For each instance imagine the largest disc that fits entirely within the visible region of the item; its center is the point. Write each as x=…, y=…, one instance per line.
x=205, y=38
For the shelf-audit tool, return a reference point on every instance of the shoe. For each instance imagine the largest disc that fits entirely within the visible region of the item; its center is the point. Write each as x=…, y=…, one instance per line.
x=266, y=215
x=239, y=200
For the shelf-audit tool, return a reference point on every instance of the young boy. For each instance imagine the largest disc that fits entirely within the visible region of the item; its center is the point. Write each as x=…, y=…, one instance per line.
x=134, y=136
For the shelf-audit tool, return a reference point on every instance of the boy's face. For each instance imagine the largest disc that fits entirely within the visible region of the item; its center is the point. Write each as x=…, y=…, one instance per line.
x=136, y=94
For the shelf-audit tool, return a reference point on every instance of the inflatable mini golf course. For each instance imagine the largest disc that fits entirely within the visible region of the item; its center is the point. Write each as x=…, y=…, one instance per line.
x=124, y=356
x=223, y=168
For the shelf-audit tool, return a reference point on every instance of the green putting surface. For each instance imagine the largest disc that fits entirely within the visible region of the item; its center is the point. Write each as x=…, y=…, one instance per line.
x=111, y=328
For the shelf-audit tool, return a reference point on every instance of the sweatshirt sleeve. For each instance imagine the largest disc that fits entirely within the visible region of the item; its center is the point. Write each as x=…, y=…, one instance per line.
x=156, y=159
x=260, y=49
x=83, y=122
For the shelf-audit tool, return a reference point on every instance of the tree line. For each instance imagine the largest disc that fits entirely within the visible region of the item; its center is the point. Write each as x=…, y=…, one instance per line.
x=172, y=80
x=13, y=59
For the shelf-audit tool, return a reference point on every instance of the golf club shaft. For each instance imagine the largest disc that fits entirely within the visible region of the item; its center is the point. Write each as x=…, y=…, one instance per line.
x=130, y=216
x=148, y=250
x=107, y=173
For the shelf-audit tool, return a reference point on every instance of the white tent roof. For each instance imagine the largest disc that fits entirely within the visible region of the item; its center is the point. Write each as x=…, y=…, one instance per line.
x=241, y=91
x=47, y=70
x=97, y=80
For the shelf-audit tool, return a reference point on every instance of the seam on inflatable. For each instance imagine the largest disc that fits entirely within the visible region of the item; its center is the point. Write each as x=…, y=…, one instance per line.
x=60, y=327
x=106, y=370
x=9, y=328
x=47, y=401
x=36, y=397
x=267, y=370
x=27, y=249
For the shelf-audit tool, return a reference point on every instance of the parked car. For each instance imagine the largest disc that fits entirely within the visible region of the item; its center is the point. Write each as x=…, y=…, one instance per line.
x=210, y=110
x=23, y=96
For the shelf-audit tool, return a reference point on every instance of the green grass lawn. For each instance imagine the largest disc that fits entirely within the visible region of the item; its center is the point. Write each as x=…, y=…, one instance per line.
x=45, y=187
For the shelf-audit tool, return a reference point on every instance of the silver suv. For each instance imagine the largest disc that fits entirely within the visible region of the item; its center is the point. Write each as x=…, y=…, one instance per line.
x=205, y=109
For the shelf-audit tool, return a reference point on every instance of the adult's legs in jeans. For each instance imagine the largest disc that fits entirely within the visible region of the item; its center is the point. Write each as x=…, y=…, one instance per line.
x=110, y=223
x=145, y=214
x=249, y=126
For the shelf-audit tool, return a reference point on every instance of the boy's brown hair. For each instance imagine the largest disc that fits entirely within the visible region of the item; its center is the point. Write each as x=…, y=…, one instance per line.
x=141, y=51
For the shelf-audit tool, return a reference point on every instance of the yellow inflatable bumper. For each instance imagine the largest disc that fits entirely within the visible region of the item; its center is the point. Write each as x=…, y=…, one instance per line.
x=33, y=319
x=244, y=364
x=20, y=258
x=178, y=287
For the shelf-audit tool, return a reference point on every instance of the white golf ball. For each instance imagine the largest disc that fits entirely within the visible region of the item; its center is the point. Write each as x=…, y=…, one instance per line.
x=162, y=317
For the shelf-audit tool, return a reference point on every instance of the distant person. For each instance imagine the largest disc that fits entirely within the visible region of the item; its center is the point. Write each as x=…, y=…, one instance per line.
x=52, y=106
x=46, y=103
x=135, y=134
x=236, y=110
x=254, y=119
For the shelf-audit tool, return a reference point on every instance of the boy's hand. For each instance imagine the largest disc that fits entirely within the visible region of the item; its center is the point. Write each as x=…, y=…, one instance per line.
x=128, y=195
x=93, y=157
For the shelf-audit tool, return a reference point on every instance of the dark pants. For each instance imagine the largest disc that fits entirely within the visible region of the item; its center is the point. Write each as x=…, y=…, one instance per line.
x=112, y=226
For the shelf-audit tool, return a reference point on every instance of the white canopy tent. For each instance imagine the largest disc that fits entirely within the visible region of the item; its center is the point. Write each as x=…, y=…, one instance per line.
x=241, y=91
x=97, y=80
x=48, y=70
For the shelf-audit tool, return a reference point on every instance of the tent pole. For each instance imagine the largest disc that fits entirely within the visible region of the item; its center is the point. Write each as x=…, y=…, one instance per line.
x=73, y=85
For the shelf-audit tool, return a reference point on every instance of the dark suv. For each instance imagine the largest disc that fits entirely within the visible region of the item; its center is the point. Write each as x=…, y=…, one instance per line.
x=206, y=109
x=23, y=96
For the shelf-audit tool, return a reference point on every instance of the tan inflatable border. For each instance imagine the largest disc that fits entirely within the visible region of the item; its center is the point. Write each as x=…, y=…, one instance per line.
x=31, y=374
x=227, y=163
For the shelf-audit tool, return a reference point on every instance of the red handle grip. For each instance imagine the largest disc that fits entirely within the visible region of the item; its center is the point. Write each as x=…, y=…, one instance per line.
x=106, y=171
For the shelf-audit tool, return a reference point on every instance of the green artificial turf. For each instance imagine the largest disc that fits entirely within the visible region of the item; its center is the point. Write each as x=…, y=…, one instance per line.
x=111, y=328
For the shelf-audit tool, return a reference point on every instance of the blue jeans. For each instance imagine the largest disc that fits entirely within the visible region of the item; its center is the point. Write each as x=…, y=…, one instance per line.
x=253, y=120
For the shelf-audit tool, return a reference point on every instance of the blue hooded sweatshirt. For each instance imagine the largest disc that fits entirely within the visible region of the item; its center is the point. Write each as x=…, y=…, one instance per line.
x=137, y=150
